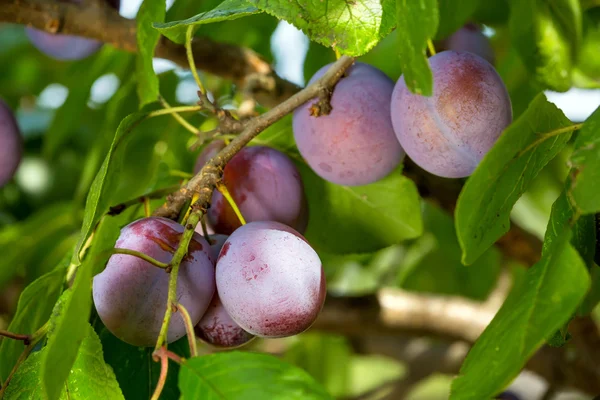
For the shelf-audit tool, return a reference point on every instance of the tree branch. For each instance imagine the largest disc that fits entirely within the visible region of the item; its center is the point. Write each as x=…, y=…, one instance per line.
x=97, y=20
x=204, y=182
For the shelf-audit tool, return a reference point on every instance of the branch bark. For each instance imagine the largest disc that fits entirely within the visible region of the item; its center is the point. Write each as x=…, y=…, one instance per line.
x=96, y=20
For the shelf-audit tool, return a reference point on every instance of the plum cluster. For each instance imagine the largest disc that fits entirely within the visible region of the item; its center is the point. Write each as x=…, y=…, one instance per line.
x=10, y=144
x=374, y=122
x=263, y=280
x=258, y=279
x=66, y=47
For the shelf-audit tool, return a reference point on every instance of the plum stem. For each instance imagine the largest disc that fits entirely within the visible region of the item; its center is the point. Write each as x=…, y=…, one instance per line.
x=189, y=34
x=182, y=121
x=189, y=327
x=145, y=257
x=431, y=47
x=204, y=181
x=174, y=110
x=173, y=268
x=33, y=341
x=157, y=194
x=205, y=229
x=225, y=192
x=15, y=336
x=164, y=368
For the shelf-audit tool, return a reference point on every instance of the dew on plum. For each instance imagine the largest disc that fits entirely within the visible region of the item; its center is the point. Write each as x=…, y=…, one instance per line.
x=130, y=295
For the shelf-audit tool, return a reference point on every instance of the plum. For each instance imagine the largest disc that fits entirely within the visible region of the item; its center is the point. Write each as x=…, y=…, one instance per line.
x=130, y=295
x=66, y=47
x=217, y=328
x=448, y=133
x=11, y=146
x=470, y=38
x=507, y=395
x=265, y=185
x=355, y=144
x=270, y=280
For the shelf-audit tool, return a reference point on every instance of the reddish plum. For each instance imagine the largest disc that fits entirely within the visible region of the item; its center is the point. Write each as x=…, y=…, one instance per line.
x=65, y=47
x=470, y=38
x=270, y=280
x=265, y=185
x=450, y=132
x=10, y=144
x=355, y=144
x=131, y=294
x=217, y=328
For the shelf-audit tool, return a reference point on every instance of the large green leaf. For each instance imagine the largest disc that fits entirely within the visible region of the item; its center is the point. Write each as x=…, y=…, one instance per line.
x=351, y=27
x=454, y=14
x=417, y=23
x=536, y=307
x=547, y=34
x=525, y=147
x=101, y=194
x=35, y=305
x=136, y=371
x=90, y=377
x=147, y=38
x=227, y=10
x=239, y=375
x=586, y=166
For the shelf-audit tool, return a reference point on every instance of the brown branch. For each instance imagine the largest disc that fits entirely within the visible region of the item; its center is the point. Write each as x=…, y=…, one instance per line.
x=204, y=182
x=99, y=21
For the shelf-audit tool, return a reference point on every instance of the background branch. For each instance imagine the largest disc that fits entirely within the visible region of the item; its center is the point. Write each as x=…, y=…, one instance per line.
x=97, y=20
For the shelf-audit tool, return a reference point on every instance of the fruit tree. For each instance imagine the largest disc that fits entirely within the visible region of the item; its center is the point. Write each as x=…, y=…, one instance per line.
x=251, y=199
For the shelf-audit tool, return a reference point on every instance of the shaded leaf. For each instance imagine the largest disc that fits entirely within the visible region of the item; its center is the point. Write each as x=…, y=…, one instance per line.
x=417, y=22
x=484, y=205
x=150, y=11
x=585, y=161
x=239, y=375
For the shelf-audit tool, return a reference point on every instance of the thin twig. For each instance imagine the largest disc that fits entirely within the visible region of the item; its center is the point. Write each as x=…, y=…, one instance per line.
x=15, y=336
x=182, y=121
x=157, y=194
x=204, y=182
x=189, y=328
x=164, y=368
x=141, y=255
x=190, y=56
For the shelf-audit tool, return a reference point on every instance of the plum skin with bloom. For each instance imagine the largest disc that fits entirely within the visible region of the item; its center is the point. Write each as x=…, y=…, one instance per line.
x=355, y=143
x=270, y=280
x=265, y=185
x=130, y=295
x=450, y=132
x=11, y=144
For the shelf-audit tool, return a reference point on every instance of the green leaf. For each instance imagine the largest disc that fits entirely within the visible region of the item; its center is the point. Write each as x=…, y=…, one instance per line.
x=237, y=375
x=417, y=23
x=68, y=328
x=101, y=193
x=585, y=161
x=136, y=371
x=351, y=27
x=525, y=147
x=90, y=378
x=227, y=10
x=536, y=307
x=547, y=35
x=454, y=14
x=34, y=309
x=147, y=38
